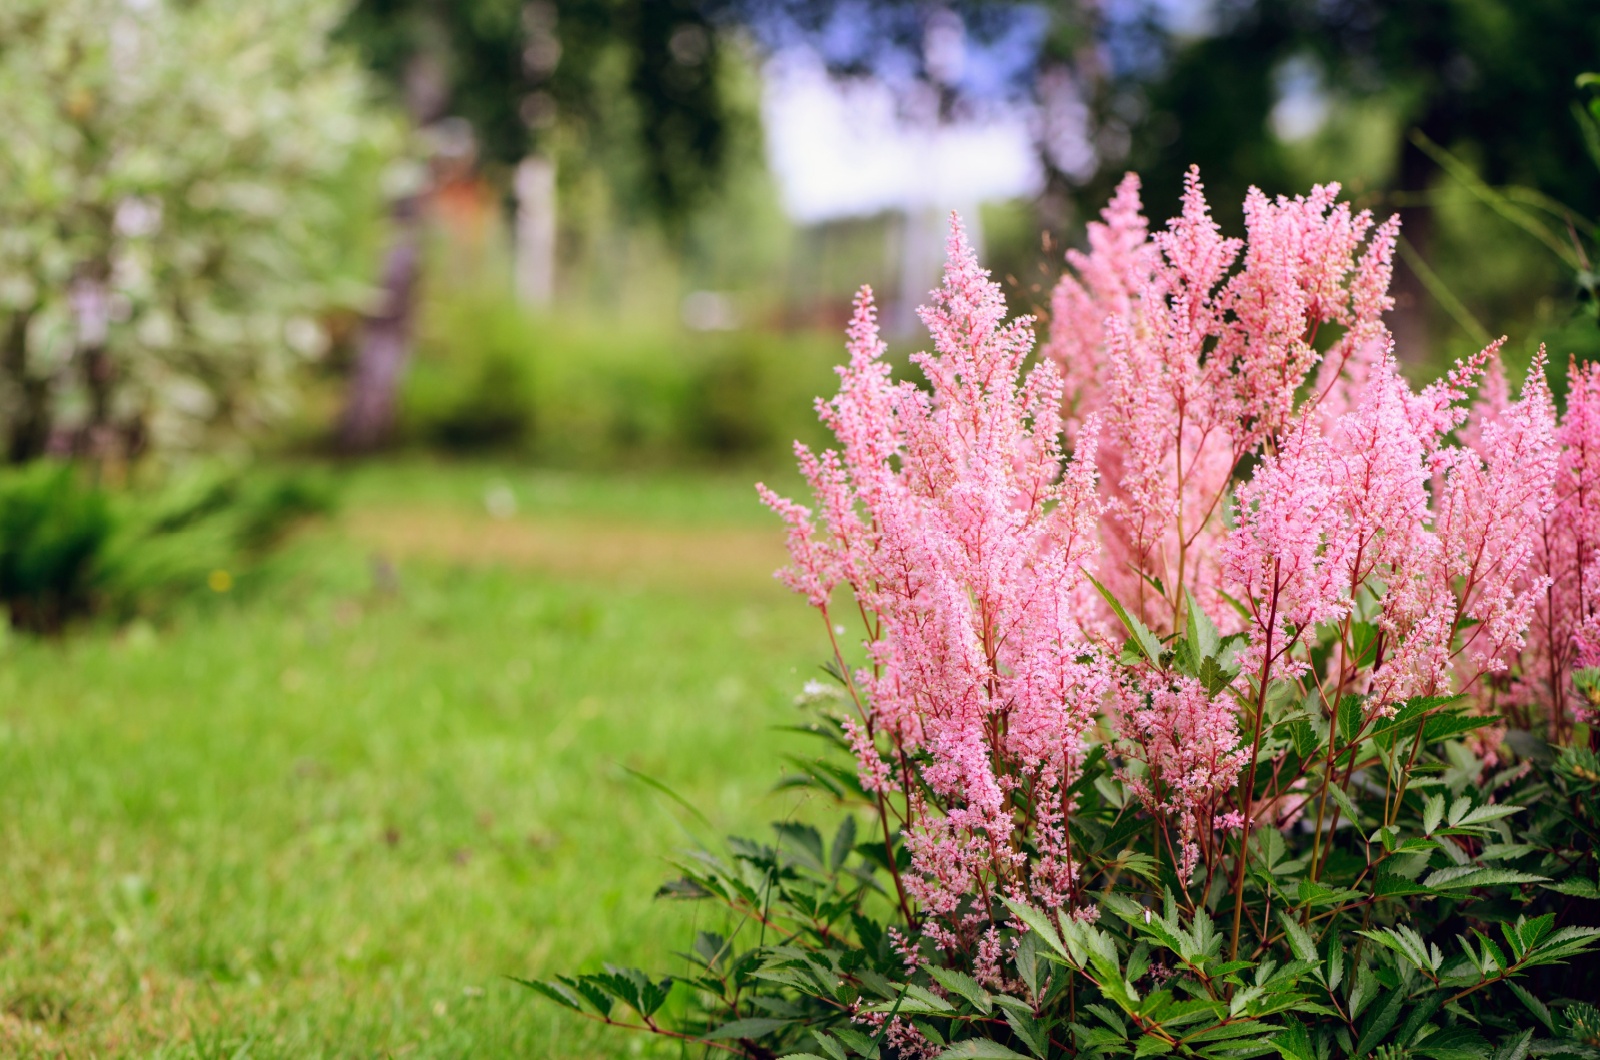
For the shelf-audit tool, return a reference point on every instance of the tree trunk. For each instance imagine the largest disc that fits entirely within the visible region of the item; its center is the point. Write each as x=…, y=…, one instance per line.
x=385, y=344
x=29, y=431
x=98, y=440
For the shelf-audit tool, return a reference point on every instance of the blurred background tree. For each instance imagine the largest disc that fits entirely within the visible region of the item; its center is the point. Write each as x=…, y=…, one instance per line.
x=186, y=191
x=1274, y=93
x=605, y=204
x=1337, y=90
x=625, y=86
x=525, y=75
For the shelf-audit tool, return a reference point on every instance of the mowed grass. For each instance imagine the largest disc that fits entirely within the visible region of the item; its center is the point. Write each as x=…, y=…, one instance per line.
x=328, y=812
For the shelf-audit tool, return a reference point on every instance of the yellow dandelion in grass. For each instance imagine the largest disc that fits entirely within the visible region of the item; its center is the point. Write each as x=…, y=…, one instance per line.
x=220, y=581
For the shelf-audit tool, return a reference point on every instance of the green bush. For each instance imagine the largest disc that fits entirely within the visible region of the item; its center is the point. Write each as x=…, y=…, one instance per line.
x=489, y=375
x=471, y=387
x=70, y=548
x=173, y=227
x=1442, y=931
x=54, y=532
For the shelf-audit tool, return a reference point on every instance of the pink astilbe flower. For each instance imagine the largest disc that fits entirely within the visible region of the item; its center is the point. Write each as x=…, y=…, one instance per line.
x=1564, y=633
x=1286, y=557
x=1327, y=515
x=1188, y=742
x=1384, y=460
x=1105, y=282
x=1193, y=369
x=1386, y=543
x=1492, y=503
x=954, y=517
x=1168, y=448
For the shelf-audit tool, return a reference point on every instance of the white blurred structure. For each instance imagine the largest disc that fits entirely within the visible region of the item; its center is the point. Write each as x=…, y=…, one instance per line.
x=846, y=150
x=849, y=149
x=535, y=237
x=709, y=311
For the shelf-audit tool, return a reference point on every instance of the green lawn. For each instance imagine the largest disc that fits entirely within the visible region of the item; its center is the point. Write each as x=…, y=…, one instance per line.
x=326, y=813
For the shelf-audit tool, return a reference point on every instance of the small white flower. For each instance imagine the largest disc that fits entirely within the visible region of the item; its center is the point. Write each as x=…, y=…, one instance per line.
x=815, y=691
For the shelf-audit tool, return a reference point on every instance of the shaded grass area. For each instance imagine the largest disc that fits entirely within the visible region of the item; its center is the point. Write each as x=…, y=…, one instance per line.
x=326, y=815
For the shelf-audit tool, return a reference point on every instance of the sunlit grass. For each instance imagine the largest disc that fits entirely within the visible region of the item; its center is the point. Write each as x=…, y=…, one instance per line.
x=326, y=815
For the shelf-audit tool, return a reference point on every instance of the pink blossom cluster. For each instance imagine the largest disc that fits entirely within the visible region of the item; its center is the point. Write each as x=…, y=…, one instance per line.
x=1216, y=424
x=1369, y=505
x=1564, y=577
x=1192, y=364
x=1187, y=741
x=961, y=529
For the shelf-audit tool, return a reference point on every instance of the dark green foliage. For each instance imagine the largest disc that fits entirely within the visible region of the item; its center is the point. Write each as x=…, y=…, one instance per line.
x=491, y=376
x=1420, y=905
x=70, y=548
x=53, y=533
x=517, y=71
x=495, y=411
x=724, y=414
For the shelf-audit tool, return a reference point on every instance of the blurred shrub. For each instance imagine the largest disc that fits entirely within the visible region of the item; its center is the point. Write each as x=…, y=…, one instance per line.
x=604, y=393
x=70, y=548
x=54, y=533
x=471, y=388
x=723, y=410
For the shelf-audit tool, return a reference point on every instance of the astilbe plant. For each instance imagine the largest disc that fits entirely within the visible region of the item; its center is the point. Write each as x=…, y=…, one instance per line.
x=1211, y=690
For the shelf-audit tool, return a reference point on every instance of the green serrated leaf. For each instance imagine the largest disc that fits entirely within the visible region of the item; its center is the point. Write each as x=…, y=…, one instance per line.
x=1351, y=714
x=1483, y=815
x=1293, y=1042
x=753, y=1028
x=1152, y=1046
x=1419, y=1015
x=863, y=1045
x=1444, y=726
x=560, y=993
x=981, y=1049
x=1380, y=1022
x=1224, y=1032
x=1579, y=888
x=926, y=998
x=802, y=843
x=1304, y=738
x=1315, y=894
x=1300, y=941
x=844, y=841
x=1514, y=1047
x=1453, y=1043
x=963, y=985
x=1390, y=885
x=1335, y=968
x=1540, y=1010
x=1363, y=988
x=1432, y=813
x=1466, y=877
x=1346, y=805
x=1039, y=923
x=1147, y=642
x=1030, y=1030
x=1202, y=632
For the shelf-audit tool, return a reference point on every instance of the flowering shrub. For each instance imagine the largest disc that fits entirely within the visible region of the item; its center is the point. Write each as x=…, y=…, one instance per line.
x=182, y=196
x=1217, y=693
